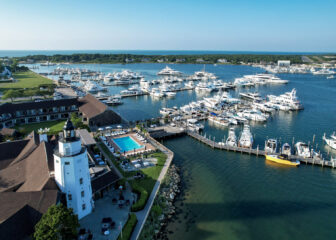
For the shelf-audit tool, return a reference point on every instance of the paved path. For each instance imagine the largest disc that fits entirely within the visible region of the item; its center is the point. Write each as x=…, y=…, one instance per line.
x=143, y=214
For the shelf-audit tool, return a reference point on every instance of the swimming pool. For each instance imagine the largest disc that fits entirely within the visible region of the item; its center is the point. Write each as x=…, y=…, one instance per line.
x=126, y=144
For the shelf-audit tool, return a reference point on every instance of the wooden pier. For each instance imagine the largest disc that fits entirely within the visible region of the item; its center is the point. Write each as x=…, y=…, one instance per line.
x=257, y=151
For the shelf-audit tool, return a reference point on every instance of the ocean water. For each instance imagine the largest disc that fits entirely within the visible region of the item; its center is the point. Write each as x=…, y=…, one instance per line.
x=22, y=53
x=233, y=196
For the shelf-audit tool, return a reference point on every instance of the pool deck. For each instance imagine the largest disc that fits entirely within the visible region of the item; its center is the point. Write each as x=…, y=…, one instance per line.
x=149, y=147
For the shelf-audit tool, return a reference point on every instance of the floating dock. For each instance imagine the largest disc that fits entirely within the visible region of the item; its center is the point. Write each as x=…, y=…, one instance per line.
x=257, y=151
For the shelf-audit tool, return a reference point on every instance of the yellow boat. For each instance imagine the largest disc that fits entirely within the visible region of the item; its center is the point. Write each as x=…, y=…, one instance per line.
x=282, y=159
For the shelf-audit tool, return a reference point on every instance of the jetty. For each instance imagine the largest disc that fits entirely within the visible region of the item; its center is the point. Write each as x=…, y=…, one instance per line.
x=256, y=151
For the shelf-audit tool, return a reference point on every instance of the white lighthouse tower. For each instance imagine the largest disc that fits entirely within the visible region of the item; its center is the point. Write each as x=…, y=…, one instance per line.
x=72, y=172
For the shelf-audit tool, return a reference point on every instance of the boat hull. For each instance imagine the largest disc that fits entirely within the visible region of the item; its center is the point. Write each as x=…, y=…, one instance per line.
x=275, y=158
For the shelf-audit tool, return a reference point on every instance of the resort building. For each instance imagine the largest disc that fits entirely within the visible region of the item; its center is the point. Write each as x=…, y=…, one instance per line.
x=284, y=63
x=33, y=112
x=31, y=179
x=94, y=112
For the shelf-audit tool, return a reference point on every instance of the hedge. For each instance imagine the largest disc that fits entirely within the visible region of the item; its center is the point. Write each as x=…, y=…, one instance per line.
x=140, y=204
x=128, y=228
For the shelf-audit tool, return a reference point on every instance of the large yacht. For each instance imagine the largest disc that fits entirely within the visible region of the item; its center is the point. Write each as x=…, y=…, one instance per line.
x=246, y=138
x=251, y=96
x=167, y=71
x=253, y=115
x=219, y=120
x=331, y=142
x=204, y=87
x=232, y=139
x=93, y=87
x=287, y=99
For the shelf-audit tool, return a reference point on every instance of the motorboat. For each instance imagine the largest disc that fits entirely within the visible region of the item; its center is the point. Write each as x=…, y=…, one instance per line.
x=231, y=140
x=93, y=87
x=255, y=97
x=218, y=120
x=170, y=94
x=271, y=146
x=253, y=115
x=114, y=100
x=286, y=149
x=167, y=71
x=282, y=159
x=331, y=142
x=166, y=111
x=302, y=150
x=288, y=100
x=246, y=138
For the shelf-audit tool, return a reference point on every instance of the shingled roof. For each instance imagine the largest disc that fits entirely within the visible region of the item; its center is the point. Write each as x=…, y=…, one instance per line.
x=28, y=172
x=20, y=211
x=91, y=106
x=10, y=150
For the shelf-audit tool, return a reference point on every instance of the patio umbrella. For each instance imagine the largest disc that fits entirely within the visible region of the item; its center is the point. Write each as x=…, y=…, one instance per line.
x=100, y=129
x=109, y=127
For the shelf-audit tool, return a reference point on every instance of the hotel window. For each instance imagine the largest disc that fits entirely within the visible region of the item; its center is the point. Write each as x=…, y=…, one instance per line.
x=69, y=197
x=82, y=193
x=67, y=163
x=83, y=207
x=81, y=180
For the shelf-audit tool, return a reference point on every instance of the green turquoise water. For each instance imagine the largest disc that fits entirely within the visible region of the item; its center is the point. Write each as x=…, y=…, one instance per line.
x=233, y=196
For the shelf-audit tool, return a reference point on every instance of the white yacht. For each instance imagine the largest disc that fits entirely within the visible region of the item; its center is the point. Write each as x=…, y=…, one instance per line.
x=286, y=149
x=232, y=139
x=218, y=120
x=271, y=146
x=190, y=84
x=166, y=111
x=204, y=87
x=167, y=71
x=227, y=98
x=93, y=87
x=263, y=107
x=253, y=115
x=194, y=124
x=288, y=99
x=170, y=94
x=114, y=100
x=303, y=150
x=323, y=71
x=157, y=93
x=251, y=96
x=331, y=142
x=246, y=138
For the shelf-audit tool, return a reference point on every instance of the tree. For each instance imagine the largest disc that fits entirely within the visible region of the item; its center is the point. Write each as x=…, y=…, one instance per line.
x=11, y=94
x=57, y=223
x=14, y=65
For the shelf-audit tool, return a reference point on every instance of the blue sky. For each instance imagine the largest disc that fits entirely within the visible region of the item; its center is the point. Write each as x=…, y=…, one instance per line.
x=236, y=25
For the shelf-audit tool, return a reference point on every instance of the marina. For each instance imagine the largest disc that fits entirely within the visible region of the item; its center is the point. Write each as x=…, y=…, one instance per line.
x=244, y=168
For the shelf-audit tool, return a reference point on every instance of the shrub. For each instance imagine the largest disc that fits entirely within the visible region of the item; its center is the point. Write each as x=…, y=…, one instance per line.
x=140, y=204
x=128, y=228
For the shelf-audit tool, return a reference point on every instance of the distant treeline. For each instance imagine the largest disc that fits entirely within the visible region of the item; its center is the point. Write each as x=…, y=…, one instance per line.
x=130, y=58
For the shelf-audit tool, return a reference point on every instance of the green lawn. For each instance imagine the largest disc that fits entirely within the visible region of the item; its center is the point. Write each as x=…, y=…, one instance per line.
x=27, y=79
x=145, y=186
x=55, y=127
